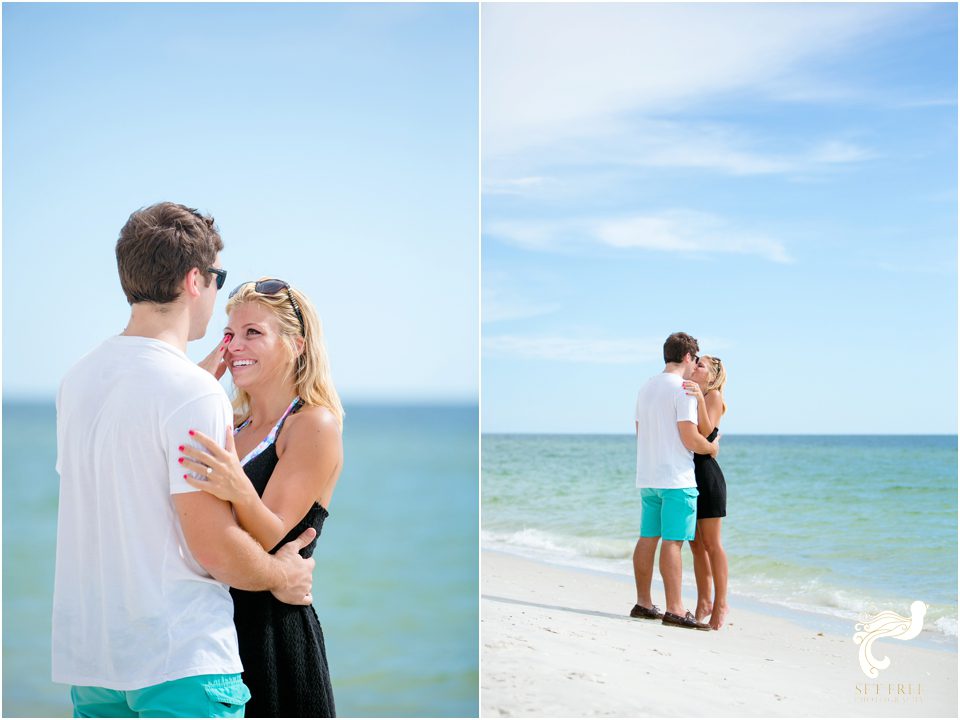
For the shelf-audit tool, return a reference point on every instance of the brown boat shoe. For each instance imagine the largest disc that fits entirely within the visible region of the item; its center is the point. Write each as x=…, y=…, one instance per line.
x=641, y=613
x=689, y=621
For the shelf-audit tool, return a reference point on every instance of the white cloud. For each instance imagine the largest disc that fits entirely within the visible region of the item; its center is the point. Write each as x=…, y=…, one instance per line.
x=677, y=231
x=723, y=148
x=504, y=298
x=679, y=144
x=511, y=186
x=687, y=231
x=945, y=269
x=836, y=152
x=532, y=235
x=928, y=102
x=498, y=307
x=575, y=350
x=591, y=350
x=559, y=71
x=570, y=89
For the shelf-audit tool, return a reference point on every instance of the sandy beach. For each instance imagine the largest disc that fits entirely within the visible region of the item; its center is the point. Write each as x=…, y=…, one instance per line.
x=557, y=642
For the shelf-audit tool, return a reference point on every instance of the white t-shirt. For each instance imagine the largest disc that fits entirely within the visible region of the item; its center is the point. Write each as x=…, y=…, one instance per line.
x=662, y=459
x=131, y=606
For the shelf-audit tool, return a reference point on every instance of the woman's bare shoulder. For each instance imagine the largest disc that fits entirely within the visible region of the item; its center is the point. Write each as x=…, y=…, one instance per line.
x=314, y=424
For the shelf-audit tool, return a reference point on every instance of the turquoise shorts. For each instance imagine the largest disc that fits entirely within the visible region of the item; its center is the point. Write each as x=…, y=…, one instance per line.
x=200, y=696
x=669, y=513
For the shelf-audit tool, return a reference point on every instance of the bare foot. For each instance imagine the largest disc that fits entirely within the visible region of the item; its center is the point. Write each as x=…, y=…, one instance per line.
x=704, y=610
x=719, y=615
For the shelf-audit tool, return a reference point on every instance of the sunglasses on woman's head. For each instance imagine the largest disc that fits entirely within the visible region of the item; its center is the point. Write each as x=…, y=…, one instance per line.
x=272, y=287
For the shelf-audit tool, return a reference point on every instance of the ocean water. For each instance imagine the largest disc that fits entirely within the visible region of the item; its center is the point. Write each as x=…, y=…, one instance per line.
x=839, y=525
x=396, y=582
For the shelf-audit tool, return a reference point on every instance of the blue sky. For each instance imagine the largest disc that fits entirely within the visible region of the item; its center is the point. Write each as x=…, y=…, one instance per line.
x=336, y=146
x=777, y=180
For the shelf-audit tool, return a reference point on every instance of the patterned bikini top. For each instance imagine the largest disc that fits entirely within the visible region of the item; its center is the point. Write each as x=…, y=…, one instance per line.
x=271, y=436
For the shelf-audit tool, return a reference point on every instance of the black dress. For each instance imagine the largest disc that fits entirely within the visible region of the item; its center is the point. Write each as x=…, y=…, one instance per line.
x=281, y=646
x=712, y=500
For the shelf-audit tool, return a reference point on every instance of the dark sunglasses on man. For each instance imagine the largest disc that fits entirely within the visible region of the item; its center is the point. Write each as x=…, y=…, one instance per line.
x=221, y=276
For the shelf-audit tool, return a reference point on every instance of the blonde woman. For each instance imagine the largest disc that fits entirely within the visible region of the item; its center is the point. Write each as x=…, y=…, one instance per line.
x=709, y=559
x=279, y=470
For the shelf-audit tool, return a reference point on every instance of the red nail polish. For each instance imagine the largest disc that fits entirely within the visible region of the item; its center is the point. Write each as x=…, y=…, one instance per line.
x=180, y=448
x=185, y=477
x=192, y=433
x=180, y=461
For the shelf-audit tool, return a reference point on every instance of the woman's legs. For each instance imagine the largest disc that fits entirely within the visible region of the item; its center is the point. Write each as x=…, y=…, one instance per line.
x=708, y=534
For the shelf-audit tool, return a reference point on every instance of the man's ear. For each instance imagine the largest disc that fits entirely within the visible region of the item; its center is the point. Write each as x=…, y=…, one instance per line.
x=192, y=282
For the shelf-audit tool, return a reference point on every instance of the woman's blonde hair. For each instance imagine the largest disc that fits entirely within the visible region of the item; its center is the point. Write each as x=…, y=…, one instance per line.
x=718, y=377
x=311, y=368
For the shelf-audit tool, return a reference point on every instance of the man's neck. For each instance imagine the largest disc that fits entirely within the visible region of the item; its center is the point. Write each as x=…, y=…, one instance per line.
x=674, y=369
x=172, y=325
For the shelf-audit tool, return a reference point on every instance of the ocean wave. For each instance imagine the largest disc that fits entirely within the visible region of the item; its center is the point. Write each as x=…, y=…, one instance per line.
x=816, y=596
x=570, y=547
x=946, y=625
x=775, y=584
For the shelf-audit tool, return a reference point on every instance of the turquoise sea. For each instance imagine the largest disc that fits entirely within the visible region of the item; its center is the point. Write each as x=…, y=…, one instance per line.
x=838, y=525
x=396, y=582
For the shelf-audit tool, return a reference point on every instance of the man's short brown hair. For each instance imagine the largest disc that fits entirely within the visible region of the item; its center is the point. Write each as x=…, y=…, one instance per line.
x=678, y=345
x=159, y=245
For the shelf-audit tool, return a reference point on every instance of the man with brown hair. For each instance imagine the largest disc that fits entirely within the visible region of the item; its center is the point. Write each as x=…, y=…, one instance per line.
x=667, y=438
x=142, y=615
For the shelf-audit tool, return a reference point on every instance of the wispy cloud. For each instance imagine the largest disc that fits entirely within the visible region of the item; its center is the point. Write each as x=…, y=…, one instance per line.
x=596, y=63
x=535, y=234
x=575, y=350
x=945, y=270
x=687, y=231
x=511, y=186
x=498, y=308
x=837, y=152
x=726, y=149
x=505, y=299
x=585, y=349
x=931, y=102
x=715, y=147
x=676, y=231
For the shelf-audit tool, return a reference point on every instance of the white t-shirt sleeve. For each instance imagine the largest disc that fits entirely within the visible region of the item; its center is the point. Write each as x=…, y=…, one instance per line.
x=210, y=415
x=59, y=433
x=686, y=407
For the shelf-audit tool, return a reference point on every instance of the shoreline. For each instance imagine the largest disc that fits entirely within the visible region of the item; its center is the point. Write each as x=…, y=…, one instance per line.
x=809, y=618
x=557, y=641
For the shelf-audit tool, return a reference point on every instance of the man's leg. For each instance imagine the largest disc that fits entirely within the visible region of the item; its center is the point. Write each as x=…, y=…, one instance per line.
x=199, y=696
x=671, y=571
x=703, y=573
x=99, y=702
x=643, y=555
x=709, y=535
x=679, y=522
x=646, y=548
